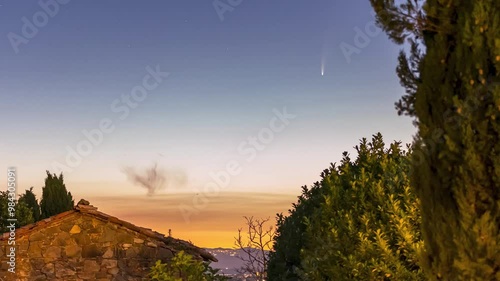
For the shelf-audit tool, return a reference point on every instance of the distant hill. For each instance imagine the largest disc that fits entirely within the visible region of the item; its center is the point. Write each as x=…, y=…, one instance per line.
x=228, y=263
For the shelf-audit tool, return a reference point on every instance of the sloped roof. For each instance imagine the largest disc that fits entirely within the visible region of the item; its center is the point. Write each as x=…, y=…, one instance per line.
x=84, y=207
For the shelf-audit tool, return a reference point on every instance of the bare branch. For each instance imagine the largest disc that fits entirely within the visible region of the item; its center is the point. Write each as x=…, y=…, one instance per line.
x=255, y=244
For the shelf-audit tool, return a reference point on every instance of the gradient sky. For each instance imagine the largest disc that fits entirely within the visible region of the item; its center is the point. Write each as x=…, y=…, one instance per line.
x=226, y=78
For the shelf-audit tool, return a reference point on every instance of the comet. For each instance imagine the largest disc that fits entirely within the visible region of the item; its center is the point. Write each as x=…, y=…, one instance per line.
x=326, y=46
x=323, y=64
x=324, y=55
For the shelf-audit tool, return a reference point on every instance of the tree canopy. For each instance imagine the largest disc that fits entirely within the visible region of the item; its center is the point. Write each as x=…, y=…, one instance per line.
x=22, y=212
x=55, y=197
x=451, y=78
x=360, y=222
x=29, y=198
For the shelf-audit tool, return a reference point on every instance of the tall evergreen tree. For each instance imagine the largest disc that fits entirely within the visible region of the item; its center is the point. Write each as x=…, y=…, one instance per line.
x=453, y=91
x=29, y=198
x=55, y=198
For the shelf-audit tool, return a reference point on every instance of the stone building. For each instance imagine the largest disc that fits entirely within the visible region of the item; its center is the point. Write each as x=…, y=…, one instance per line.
x=85, y=244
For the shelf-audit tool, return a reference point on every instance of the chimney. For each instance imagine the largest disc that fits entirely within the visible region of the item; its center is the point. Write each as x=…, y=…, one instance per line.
x=84, y=205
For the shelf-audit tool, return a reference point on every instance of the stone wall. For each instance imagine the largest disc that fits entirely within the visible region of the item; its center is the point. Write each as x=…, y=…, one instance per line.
x=82, y=247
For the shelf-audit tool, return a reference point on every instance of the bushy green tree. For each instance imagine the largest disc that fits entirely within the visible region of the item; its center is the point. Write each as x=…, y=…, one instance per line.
x=284, y=259
x=55, y=197
x=184, y=267
x=23, y=213
x=29, y=198
x=360, y=222
x=367, y=227
x=453, y=91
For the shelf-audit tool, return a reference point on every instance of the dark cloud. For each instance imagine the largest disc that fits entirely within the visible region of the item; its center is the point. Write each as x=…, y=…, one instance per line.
x=155, y=178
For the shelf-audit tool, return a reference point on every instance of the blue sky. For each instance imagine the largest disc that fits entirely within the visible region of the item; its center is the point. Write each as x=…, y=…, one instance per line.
x=226, y=77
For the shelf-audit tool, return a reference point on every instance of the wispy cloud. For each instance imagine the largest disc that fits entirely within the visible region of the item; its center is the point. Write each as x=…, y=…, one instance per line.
x=216, y=226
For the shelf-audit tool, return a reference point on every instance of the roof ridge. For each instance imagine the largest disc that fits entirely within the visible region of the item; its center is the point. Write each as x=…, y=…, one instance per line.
x=85, y=208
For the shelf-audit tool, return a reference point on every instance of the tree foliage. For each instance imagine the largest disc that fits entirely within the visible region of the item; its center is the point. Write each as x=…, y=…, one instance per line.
x=184, y=267
x=29, y=198
x=22, y=212
x=368, y=226
x=55, y=197
x=284, y=259
x=456, y=101
x=361, y=222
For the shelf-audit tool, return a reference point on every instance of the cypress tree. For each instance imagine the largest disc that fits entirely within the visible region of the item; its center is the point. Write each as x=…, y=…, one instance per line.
x=453, y=92
x=55, y=197
x=29, y=198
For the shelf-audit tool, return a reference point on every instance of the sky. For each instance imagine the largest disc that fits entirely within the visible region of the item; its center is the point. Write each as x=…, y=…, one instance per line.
x=240, y=103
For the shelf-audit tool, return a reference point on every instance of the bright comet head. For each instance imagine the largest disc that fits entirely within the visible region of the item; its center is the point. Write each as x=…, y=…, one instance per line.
x=323, y=66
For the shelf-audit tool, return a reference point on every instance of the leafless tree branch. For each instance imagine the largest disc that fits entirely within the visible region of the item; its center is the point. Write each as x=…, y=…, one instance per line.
x=255, y=243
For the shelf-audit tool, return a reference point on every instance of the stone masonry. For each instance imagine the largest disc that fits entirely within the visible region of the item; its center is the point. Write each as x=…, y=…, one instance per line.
x=85, y=244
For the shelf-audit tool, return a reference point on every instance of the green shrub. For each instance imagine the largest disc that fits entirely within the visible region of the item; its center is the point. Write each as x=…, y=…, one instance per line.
x=361, y=222
x=23, y=214
x=184, y=267
x=284, y=259
x=368, y=226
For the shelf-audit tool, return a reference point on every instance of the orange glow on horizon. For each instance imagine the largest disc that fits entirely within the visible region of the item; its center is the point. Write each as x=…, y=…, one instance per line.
x=212, y=226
